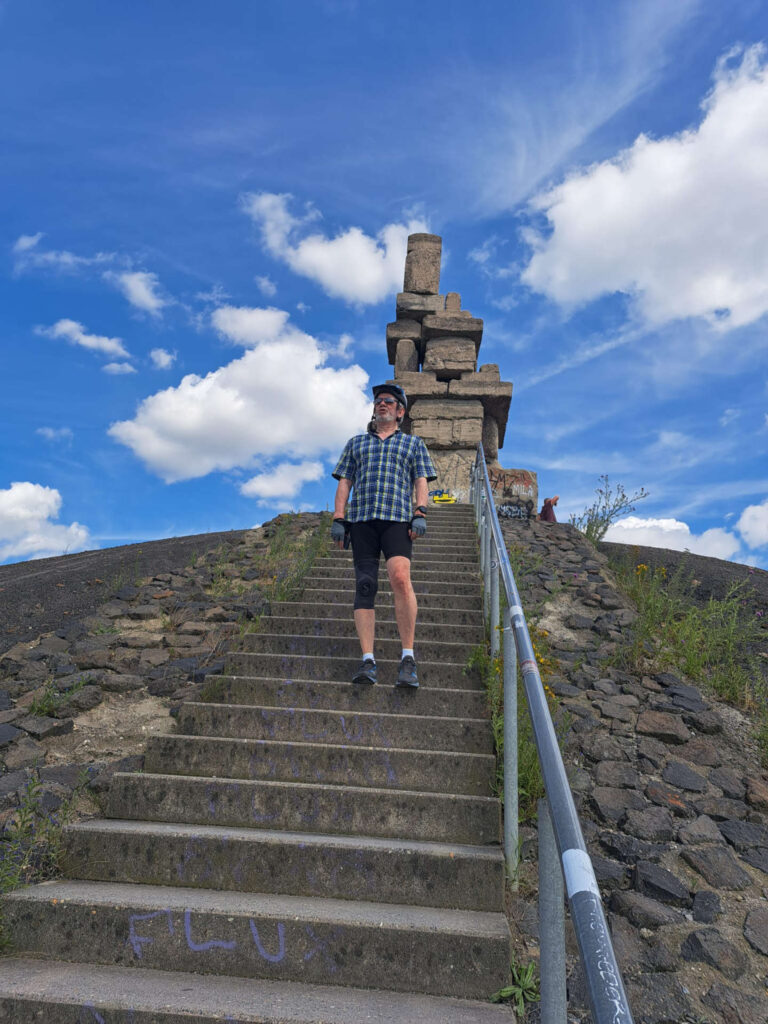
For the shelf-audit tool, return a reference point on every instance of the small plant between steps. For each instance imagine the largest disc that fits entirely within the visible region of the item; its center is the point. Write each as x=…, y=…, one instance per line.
x=523, y=988
x=30, y=847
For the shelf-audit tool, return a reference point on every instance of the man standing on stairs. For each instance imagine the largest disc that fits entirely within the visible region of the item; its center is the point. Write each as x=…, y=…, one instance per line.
x=383, y=469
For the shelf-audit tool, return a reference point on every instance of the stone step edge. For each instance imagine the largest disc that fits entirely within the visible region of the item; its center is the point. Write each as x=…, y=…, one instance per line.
x=344, y=685
x=369, y=792
x=395, y=916
x=379, y=715
x=156, y=996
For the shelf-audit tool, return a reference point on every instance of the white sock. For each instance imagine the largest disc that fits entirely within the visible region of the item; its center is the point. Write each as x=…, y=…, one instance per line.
x=369, y=657
x=407, y=653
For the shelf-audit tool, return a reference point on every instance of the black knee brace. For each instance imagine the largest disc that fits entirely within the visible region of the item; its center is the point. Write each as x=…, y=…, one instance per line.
x=366, y=582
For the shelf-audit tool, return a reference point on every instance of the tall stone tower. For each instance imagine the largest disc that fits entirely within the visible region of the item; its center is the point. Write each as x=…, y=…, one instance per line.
x=433, y=345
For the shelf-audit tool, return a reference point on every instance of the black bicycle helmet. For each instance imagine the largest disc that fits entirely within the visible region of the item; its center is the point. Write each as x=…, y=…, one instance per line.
x=391, y=389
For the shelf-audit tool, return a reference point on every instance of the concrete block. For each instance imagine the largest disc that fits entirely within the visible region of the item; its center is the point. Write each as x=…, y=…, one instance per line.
x=453, y=302
x=449, y=358
x=406, y=357
x=399, y=329
x=412, y=306
x=440, y=325
x=422, y=264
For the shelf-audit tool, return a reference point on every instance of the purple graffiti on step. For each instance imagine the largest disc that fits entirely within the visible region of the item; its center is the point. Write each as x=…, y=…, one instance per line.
x=271, y=958
x=203, y=947
x=139, y=941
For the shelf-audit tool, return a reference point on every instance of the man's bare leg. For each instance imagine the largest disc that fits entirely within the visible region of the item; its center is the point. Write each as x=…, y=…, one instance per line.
x=406, y=608
x=365, y=624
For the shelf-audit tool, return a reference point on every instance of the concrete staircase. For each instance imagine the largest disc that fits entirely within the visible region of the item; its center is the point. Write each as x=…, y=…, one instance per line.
x=299, y=841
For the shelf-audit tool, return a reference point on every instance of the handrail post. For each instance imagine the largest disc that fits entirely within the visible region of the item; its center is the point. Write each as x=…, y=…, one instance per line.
x=511, y=812
x=486, y=542
x=494, y=583
x=551, y=924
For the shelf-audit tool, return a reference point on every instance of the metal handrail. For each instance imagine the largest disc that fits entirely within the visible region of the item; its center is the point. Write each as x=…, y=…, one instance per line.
x=605, y=989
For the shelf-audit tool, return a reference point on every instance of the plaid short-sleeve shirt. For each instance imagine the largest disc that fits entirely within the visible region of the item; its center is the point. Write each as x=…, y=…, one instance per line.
x=383, y=473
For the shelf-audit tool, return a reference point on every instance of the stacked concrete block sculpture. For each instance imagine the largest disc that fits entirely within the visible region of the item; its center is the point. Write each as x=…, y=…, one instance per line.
x=433, y=345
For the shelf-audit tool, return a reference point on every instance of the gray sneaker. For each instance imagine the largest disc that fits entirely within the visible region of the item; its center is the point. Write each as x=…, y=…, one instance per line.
x=407, y=676
x=366, y=673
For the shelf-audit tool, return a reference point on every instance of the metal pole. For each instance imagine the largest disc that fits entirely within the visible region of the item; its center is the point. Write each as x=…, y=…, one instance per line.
x=486, y=559
x=511, y=838
x=494, y=599
x=551, y=924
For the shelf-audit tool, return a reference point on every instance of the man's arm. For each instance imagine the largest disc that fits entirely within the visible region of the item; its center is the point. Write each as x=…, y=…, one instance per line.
x=421, y=491
x=340, y=501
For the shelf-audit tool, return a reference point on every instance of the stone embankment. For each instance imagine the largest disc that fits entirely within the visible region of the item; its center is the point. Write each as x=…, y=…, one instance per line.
x=671, y=794
x=77, y=703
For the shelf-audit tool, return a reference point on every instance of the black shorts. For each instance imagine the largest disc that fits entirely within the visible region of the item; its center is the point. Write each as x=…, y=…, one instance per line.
x=373, y=536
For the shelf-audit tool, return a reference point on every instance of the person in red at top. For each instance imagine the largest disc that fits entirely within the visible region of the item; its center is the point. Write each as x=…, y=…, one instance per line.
x=547, y=514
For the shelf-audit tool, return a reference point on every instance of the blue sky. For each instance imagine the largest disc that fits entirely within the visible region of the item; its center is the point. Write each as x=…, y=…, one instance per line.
x=204, y=214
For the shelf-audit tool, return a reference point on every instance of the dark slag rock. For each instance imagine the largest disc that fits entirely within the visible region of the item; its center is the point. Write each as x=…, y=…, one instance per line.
x=744, y=834
x=736, y=1007
x=665, y=796
x=716, y=864
x=720, y=808
x=757, y=857
x=642, y=911
x=654, y=824
x=629, y=849
x=660, y=884
x=5, y=701
x=657, y=999
x=707, y=945
x=756, y=929
x=706, y=907
x=681, y=775
x=730, y=783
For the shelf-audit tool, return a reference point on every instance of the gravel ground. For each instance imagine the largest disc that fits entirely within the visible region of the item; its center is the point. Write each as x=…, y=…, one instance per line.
x=45, y=594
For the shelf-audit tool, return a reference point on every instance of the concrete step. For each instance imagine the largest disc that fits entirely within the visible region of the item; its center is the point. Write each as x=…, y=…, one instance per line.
x=422, y=585
x=286, y=863
x=356, y=728
x=430, y=549
x=428, y=602
x=329, y=696
x=65, y=993
x=303, y=807
x=341, y=670
x=267, y=642
x=386, y=628
x=283, y=938
x=441, y=572
x=435, y=771
x=316, y=611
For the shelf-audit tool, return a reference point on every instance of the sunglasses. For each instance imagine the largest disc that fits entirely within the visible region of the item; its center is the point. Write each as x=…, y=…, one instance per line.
x=385, y=401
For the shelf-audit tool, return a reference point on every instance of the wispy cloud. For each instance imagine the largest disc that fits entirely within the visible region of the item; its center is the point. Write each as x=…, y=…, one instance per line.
x=141, y=288
x=28, y=255
x=56, y=433
x=162, y=359
x=118, y=369
x=76, y=334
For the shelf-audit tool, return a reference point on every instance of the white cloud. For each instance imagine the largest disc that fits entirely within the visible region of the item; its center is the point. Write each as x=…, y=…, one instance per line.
x=352, y=266
x=26, y=527
x=116, y=369
x=140, y=288
x=266, y=286
x=28, y=255
x=55, y=433
x=674, y=535
x=162, y=359
x=75, y=333
x=729, y=415
x=753, y=524
x=245, y=325
x=674, y=222
x=284, y=481
x=276, y=401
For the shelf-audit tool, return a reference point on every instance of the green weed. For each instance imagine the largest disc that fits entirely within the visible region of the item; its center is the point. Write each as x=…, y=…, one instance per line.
x=609, y=505
x=52, y=698
x=524, y=988
x=715, y=644
x=30, y=847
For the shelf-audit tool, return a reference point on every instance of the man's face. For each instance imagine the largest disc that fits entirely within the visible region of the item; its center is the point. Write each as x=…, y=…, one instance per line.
x=386, y=409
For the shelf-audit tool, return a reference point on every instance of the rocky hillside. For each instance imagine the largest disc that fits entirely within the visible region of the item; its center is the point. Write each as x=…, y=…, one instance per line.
x=672, y=795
